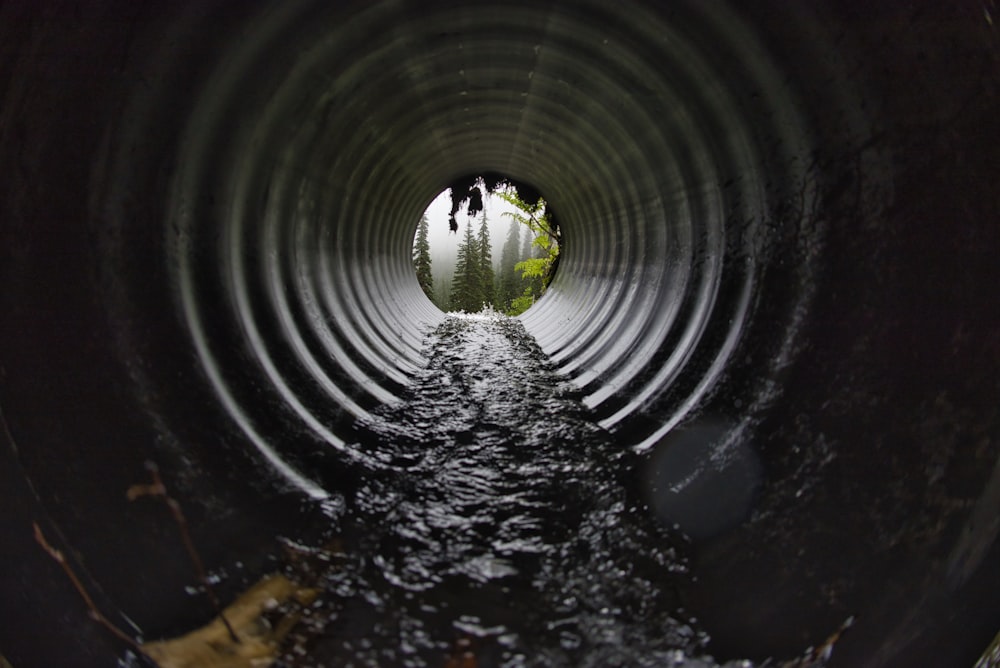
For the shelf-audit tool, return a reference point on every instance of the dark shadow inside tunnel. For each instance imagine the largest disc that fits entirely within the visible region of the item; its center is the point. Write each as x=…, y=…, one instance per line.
x=783, y=221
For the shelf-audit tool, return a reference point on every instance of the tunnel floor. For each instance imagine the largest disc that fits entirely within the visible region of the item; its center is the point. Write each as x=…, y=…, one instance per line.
x=494, y=523
x=502, y=517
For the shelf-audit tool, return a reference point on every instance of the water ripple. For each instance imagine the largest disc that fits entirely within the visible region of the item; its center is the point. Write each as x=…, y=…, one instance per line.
x=500, y=513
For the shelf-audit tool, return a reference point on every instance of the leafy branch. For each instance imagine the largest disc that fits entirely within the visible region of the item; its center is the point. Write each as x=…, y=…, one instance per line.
x=533, y=215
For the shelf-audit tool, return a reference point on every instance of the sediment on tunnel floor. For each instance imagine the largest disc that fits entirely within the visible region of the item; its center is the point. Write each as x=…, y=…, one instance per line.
x=782, y=235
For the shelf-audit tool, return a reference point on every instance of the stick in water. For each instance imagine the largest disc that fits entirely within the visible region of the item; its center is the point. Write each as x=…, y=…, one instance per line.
x=157, y=488
x=95, y=614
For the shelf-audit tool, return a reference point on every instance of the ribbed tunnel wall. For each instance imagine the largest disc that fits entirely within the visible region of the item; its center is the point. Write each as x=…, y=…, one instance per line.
x=301, y=213
x=780, y=225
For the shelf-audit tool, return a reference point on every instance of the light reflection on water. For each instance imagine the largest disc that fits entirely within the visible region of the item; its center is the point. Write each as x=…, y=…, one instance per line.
x=497, y=515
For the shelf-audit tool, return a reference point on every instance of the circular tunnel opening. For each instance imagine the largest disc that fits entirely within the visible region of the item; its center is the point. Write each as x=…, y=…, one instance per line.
x=501, y=260
x=774, y=281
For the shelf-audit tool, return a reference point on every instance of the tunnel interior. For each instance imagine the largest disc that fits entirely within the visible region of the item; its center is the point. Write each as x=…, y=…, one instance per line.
x=779, y=289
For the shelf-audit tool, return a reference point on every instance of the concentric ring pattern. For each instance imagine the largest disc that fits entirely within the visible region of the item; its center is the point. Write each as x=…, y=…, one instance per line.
x=313, y=147
x=776, y=284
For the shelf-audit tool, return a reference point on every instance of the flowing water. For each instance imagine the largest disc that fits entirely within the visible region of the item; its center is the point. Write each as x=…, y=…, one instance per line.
x=496, y=524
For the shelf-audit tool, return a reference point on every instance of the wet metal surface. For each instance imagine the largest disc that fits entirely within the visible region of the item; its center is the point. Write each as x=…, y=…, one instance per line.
x=776, y=294
x=497, y=511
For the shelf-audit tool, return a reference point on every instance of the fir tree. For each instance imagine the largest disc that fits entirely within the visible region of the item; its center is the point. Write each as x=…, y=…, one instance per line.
x=422, y=259
x=466, y=294
x=527, y=251
x=509, y=283
x=487, y=294
x=442, y=293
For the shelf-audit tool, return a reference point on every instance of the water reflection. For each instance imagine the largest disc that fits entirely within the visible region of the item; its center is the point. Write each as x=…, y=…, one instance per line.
x=497, y=514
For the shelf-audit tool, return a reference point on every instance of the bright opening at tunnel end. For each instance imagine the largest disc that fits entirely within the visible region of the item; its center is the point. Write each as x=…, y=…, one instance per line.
x=502, y=258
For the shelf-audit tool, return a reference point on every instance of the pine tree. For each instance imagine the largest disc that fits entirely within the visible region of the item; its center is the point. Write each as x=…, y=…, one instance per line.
x=509, y=283
x=487, y=295
x=442, y=293
x=422, y=259
x=466, y=294
x=527, y=251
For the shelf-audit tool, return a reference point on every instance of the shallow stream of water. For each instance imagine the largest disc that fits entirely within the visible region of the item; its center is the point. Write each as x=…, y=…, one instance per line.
x=495, y=523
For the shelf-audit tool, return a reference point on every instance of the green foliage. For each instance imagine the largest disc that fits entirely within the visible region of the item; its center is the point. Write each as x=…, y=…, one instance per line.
x=521, y=304
x=534, y=267
x=535, y=217
x=535, y=255
x=442, y=293
x=473, y=285
x=539, y=260
x=486, y=278
x=422, y=259
x=466, y=292
x=509, y=284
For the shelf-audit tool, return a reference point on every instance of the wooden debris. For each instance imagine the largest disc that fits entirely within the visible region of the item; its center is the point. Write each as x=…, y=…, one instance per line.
x=212, y=647
x=95, y=614
x=157, y=488
x=463, y=655
x=246, y=634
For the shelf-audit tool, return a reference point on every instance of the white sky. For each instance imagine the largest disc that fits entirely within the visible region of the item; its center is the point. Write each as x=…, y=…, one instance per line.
x=444, y=244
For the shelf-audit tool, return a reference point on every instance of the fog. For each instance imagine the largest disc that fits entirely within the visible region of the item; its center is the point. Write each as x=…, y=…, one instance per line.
x=444, y=243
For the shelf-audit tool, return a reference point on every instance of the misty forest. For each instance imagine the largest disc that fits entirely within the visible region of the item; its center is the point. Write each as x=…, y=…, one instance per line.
x=473, y=277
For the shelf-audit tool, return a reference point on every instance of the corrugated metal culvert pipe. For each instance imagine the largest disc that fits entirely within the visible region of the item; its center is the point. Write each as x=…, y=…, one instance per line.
x=778, y=285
